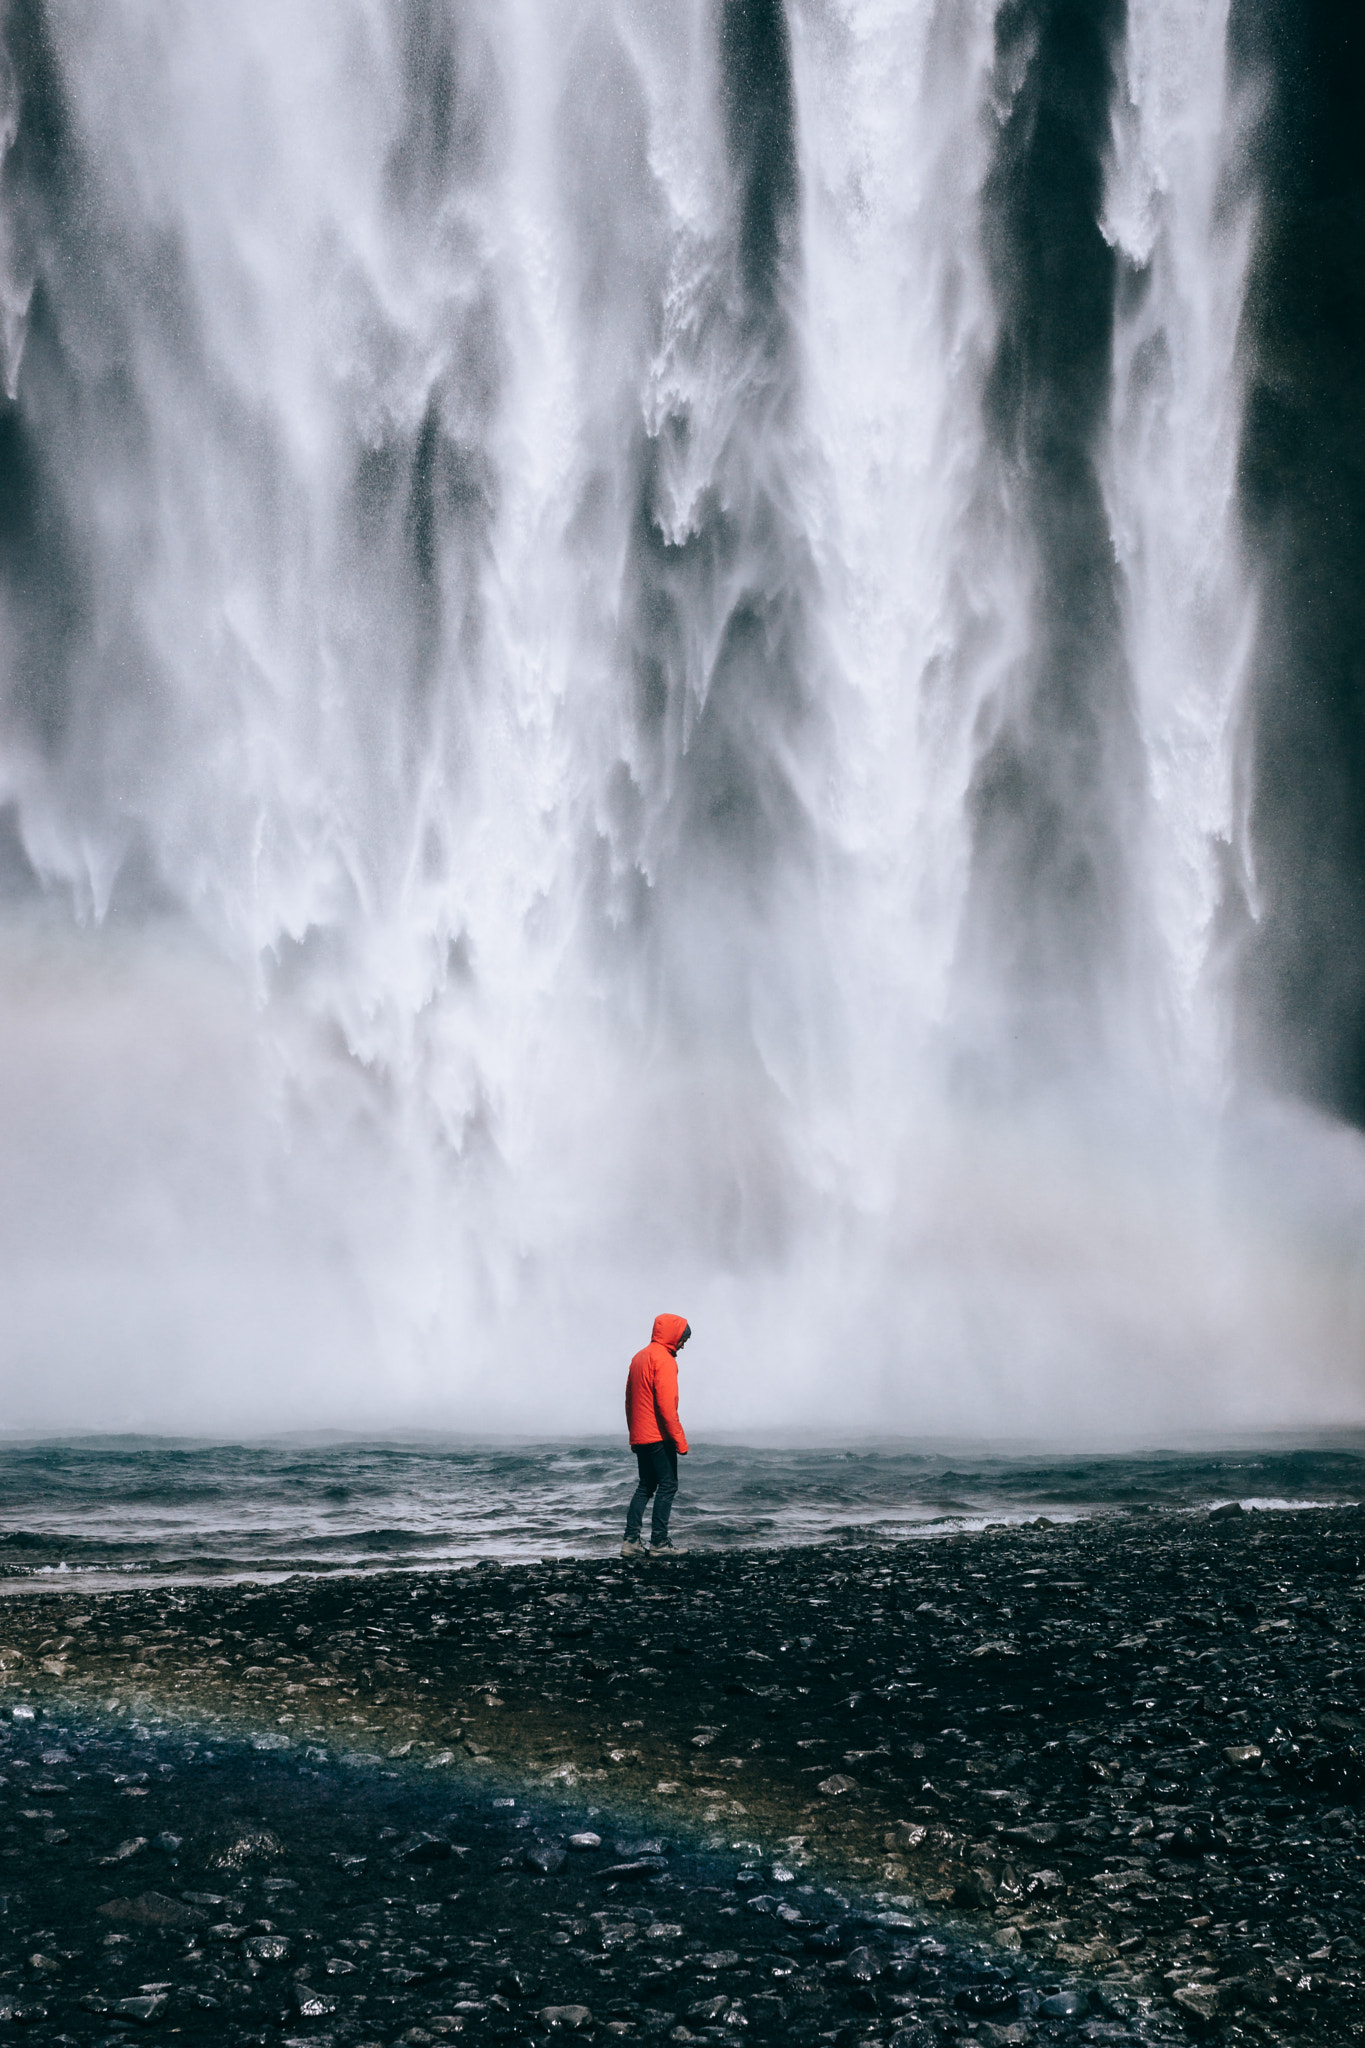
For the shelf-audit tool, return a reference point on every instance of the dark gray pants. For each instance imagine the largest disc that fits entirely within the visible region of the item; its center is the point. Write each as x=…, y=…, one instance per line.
x=658, y=1465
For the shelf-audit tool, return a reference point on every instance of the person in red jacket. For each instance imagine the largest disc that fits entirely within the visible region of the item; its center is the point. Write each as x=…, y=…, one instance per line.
x=656, y=1435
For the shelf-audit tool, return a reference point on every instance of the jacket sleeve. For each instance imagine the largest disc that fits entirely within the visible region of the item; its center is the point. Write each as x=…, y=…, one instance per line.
x=666, y=1400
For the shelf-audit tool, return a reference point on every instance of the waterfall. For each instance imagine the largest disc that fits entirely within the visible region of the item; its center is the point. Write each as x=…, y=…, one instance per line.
x=1179, y=212
x=621, y=632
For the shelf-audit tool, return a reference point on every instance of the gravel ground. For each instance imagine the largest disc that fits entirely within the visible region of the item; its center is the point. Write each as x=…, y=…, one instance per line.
x=1095, y=1782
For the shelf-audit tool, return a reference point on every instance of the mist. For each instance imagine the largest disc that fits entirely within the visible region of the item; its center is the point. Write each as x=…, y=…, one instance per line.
x=628, y=647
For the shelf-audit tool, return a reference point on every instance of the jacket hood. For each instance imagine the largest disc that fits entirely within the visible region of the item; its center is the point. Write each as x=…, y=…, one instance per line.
x=667, y=1331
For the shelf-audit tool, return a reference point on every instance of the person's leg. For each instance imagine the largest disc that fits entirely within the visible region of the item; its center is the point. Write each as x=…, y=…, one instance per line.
x=666, y=1469
x=639, y=1500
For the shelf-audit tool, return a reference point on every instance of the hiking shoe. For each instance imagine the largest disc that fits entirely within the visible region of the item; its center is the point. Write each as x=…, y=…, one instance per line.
x=668, y=1550
x=632, y=1547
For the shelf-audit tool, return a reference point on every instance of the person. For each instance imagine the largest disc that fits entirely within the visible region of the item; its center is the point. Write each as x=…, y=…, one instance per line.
x=656, y=1436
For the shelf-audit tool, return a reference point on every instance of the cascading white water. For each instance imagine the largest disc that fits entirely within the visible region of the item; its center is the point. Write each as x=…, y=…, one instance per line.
x=1180, y=214
x=921, y=608
x=543, y=581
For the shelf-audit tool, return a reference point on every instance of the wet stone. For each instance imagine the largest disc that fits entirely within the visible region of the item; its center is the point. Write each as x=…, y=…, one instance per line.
x=708, y=2009
x=238, y=1849
x=310, y=1939
x=143, y=2011
x=424, y=1848
x=267, y=1948
x=154, y=1909
x=1150, y=1777
x=862, y=1966
x=313, y=2005
x=984, y=2001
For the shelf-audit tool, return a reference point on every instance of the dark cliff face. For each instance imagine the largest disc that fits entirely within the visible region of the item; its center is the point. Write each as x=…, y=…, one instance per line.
x=1302, y=964
x=43, y=566
x=1053, y=920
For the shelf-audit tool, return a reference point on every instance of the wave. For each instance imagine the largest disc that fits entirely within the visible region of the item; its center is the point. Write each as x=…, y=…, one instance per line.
x=85, y=1508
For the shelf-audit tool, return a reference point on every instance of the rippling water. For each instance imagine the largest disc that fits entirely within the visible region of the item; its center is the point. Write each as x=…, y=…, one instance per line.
x=158, y=1507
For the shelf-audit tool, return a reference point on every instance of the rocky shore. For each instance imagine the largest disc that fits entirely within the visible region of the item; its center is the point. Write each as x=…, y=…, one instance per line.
x=1095, y=1782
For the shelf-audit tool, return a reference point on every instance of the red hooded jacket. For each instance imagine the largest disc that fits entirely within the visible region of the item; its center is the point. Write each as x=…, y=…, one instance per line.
x=652, y=1387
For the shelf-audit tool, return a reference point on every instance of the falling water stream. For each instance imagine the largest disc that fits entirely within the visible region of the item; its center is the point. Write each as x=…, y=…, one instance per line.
x=621, y=640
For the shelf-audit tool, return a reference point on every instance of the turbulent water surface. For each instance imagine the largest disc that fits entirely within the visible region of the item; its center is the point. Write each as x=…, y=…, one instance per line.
x=160, y=1508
